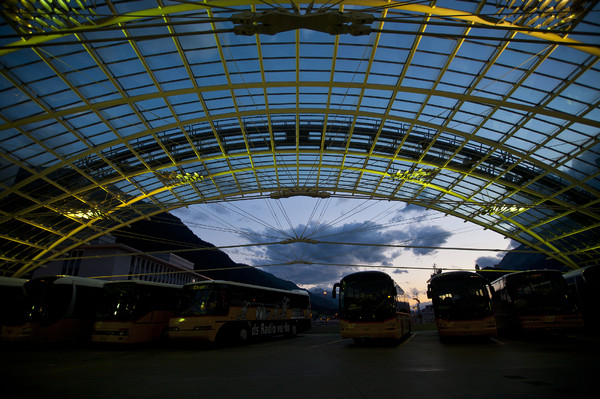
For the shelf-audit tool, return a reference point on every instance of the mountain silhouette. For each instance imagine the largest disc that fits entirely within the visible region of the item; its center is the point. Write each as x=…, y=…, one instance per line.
x=520, y=261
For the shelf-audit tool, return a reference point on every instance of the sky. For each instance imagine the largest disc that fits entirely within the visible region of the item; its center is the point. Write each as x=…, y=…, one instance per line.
x=335, y=221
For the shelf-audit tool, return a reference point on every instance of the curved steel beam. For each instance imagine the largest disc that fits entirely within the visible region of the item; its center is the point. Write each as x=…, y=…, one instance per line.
x=36, y=41
x=62, y=113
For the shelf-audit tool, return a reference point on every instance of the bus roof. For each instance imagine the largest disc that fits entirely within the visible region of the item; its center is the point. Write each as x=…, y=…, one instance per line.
x=142, y=282
x=582, y=271
x=455, y=275
x=12, y=281
x=225, y=282
x=367, y=273
x=528, y=272
x=374, y=274
x=61, y=279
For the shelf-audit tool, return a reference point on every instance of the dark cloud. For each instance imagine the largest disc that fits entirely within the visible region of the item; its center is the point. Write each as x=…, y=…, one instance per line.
x=310, y=274
x=428, y=236
x=327, y=263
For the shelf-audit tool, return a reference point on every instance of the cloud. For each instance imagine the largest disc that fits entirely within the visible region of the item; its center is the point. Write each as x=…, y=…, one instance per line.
x=312, y=274
x=329, y=262
x=428, y=236
x=208, y=213
x=491, y=261
x=513, y=244
x=488, y=261
x=183, y=213
x=412, y=213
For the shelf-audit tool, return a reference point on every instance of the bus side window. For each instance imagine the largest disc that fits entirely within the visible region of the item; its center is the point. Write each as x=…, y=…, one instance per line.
x=237, y=297
x=222, y=302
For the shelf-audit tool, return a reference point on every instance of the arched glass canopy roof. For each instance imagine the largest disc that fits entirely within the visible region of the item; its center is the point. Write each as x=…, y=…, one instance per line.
x=112, y=111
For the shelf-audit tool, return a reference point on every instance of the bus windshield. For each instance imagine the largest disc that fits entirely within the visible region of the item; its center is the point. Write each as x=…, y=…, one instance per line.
x=461, y=299
x=539, y=293
x=366, y=300
x=47, y=302
x=121, y=302
x=203, y=300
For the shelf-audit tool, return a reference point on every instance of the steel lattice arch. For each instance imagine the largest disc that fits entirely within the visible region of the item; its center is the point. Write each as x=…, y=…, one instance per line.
x=113, y=111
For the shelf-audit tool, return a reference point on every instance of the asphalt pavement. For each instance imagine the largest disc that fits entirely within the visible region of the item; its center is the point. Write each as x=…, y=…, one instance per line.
x=308, y=366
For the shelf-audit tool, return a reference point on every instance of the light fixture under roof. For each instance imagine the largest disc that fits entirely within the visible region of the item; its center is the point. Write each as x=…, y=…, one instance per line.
x=39, y=16
x=271, y=22
x=300, y=192
x=542, y=14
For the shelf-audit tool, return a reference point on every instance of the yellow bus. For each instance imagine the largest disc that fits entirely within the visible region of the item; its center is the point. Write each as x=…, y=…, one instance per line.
x=218, y=310
x=370, y=307
x=57, y=309
x=134, y=311
x=461, y=305
x=534, y=301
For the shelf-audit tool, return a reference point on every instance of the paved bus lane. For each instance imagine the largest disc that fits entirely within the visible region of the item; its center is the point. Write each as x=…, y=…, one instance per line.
x=545, y=368
x=308, y=366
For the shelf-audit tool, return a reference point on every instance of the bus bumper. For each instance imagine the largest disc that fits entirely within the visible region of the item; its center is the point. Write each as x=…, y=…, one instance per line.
x=551, y=323
x=22, y=333
x=386, y=330
x=462, y=328
x=111, y=332
x=187, y=329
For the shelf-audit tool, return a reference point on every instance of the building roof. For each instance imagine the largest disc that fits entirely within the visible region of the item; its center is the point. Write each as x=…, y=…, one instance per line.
x=111, y=111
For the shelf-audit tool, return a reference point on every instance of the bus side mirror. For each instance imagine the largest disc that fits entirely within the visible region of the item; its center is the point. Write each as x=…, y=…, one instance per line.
x=335, y=286
x=429, y=292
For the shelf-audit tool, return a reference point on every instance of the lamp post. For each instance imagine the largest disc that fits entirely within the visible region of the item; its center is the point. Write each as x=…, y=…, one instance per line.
x=419, y=316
